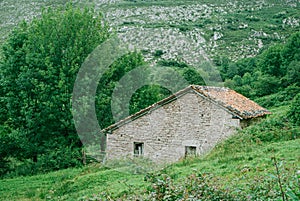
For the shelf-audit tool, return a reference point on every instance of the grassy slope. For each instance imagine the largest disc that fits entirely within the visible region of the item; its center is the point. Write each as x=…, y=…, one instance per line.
x=236, y=162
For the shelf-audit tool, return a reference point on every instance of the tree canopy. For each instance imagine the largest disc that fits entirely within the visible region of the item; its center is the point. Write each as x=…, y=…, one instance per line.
x=275, y=70
x=39, y=67
x=41, y=60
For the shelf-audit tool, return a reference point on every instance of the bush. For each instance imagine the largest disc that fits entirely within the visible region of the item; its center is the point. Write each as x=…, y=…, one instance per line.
x=280, y=184
x=294, y=111
x=195, y=187
x=172, y=63
x=59, y=158
x=283, y=97
x=158, y=53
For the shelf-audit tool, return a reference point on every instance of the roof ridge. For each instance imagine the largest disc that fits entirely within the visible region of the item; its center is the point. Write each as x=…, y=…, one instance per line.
x=224, y=97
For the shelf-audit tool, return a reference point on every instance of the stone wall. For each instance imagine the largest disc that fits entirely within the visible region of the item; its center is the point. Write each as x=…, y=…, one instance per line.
x=191, y=120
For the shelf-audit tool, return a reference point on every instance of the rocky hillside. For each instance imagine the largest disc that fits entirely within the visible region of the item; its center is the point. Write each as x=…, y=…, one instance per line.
x=182, y=30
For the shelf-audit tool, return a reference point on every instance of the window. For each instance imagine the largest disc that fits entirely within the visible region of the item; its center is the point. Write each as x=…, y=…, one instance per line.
x=190, y=151
x=138, y=148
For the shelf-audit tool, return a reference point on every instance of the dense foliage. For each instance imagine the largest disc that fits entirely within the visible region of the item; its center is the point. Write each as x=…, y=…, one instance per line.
x=40, y=63
x=294, y=111
x=275, y=70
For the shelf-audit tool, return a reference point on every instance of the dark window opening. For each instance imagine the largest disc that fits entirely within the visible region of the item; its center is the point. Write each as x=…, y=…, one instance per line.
x=138, y=148
x=190, y=151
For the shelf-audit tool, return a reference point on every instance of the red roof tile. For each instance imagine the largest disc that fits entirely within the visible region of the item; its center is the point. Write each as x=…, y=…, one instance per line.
x=233, y=101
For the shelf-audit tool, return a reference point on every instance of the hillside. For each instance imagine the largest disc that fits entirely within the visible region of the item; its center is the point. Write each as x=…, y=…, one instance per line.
x=243, y=166
x=214, y=29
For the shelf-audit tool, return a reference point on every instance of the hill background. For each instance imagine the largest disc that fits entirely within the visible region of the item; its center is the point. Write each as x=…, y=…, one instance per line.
x=233, y=29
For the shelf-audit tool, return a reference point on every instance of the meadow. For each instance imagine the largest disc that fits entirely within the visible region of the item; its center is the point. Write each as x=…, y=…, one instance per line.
x=243, y=166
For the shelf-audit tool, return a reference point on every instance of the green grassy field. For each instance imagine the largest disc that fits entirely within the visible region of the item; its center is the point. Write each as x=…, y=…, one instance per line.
x=240, y=163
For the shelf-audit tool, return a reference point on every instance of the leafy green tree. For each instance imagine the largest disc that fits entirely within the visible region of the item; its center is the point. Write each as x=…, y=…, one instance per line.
x=40, y=63
x=271, y=61
x=294, y=111
x=247, y=79
x=10, y=140
x=193, y=76
x=291, y=50
x=232, y=70
x=246, y=65
x=237, y=80
x=229, y=83
x=293, y=73
x=189, y=73
x=266, y=84
x=146, y=96
x=108, y=82
x=222, y=63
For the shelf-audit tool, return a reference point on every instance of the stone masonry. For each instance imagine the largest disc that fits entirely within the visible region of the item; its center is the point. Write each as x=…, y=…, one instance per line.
x=167, y=131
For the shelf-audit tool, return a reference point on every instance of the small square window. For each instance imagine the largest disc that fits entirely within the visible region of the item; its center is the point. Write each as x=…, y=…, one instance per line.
x=190, y=151
x=138, y=148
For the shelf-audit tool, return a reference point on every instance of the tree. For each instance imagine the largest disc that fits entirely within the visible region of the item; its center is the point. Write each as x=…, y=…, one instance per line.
x=266, y=84
x=237, y=80
x=193, y=76
x=294, y=111
x=293, y=73
x=108, y=83
x=232, y=70
x=271, y=61
x=291, y=49
x=40, y=63
x=246, y=65
x=146, y=96
x=247, y=79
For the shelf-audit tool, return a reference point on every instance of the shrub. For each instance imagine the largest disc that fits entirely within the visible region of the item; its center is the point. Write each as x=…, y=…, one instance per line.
x=158, y=53
x=195, y=187
x=294, y=111
x=172, y=63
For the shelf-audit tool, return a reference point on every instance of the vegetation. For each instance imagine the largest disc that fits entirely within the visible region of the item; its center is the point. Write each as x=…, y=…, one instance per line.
x=40, y=62
x=223, y=29
x=41, y=57
x=294, y=111
x=275, y=70
x=241, y=168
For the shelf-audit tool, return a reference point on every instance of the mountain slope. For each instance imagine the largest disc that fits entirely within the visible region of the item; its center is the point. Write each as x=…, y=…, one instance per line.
x=214, y=29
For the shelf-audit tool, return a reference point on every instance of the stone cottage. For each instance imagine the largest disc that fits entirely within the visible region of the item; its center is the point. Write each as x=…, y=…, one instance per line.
x=189, y=122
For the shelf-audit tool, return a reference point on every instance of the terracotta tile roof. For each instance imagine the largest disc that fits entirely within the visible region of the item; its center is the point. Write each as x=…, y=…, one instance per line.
x=230, y=100
x=233, y=101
